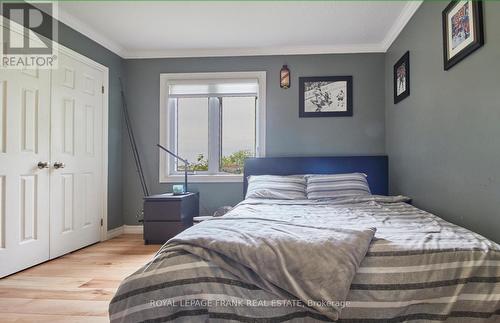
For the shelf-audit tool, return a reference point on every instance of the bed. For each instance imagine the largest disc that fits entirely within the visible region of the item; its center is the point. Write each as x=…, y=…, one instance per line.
x=271, y=260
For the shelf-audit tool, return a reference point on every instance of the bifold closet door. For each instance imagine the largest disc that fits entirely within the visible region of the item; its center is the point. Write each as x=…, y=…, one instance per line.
x=76, y=154
x=24, y=168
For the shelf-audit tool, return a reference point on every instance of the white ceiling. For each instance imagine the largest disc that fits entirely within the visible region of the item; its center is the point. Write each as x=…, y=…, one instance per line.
x=224, y=28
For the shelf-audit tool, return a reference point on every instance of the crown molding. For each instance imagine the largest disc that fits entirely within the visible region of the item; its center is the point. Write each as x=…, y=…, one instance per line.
x=85, y=29
x=291, y=50
x=403, y=18
x=382, y=47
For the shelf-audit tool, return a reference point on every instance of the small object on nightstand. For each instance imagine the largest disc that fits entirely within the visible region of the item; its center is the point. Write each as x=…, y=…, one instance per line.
x=178, y=189
x=166, y=215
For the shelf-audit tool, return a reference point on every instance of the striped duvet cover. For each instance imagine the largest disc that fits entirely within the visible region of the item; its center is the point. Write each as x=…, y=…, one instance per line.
x=418, y=268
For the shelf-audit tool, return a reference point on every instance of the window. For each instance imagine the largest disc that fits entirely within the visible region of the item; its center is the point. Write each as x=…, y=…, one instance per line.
x=191, y=139
x=214, y=120
x=237, y=132
x=215, y=134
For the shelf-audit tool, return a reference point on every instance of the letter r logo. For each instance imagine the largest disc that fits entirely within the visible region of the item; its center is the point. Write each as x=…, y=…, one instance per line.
x=37, y=19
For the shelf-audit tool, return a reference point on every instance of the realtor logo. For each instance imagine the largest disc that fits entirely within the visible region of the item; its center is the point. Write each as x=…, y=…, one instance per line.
x=28, y=35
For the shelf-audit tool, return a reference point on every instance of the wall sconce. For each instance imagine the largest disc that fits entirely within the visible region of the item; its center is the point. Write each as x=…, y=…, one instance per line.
x=285, y=77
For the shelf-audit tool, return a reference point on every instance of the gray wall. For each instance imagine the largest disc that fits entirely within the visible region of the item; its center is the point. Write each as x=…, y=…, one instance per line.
x=287, y=135
x=442, y=141
x=85, y=46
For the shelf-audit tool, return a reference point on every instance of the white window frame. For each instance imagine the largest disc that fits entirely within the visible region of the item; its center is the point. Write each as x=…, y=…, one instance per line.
x=166, y=175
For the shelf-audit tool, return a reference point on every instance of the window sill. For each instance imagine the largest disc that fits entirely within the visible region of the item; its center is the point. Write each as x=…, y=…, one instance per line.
x=202, y=179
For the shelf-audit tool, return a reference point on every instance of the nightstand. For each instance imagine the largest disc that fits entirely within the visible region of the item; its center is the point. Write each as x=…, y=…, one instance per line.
x=166, y=215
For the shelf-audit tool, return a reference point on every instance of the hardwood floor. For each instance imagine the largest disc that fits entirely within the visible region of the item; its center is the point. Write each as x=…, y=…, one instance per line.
x=76, y=287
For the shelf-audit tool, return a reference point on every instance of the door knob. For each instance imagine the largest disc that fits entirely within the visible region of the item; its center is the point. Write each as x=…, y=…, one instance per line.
x=58, y=165
x=42, y=165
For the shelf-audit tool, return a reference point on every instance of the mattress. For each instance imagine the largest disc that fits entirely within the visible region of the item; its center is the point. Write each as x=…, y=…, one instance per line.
x=418, y=267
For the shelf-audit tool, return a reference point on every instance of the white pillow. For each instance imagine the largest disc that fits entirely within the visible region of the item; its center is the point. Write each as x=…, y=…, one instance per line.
x=277, y=187
x=335, y=186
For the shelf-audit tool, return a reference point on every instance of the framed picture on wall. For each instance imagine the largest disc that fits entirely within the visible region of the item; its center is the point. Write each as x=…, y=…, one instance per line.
x=325, y=96
x=402, y=78
x=462, y=30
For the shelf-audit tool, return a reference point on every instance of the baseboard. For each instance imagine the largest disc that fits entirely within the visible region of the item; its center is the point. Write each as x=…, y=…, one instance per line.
x=133, y=229
x=114, y=232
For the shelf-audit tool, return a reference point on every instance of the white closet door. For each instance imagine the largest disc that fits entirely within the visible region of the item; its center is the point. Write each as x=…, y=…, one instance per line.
x=76, y=154
x=24, y=188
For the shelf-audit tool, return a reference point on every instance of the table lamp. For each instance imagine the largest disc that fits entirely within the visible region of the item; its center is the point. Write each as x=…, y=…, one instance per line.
x=186, y=164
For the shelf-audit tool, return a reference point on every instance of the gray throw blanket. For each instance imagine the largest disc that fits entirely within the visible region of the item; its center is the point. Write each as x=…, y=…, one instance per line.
x=293, y=259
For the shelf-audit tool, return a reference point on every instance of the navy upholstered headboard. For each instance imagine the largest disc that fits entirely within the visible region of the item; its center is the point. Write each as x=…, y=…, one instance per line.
x=376, y=167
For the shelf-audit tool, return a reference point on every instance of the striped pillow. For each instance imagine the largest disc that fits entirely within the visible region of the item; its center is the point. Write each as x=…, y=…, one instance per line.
x=334, y=186
x=277, y=187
